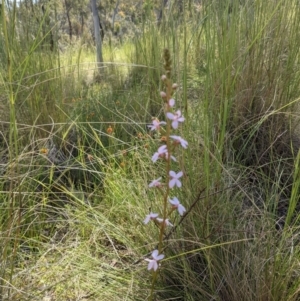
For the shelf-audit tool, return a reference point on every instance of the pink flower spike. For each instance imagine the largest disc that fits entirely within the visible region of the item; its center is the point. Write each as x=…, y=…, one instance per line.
x=155, y=183
x=180, y=141
x=153, y=263
x=171, y=102
x=166, y=221
x=150, y=217
x=175, y=178
x=176, y=204
x=176, y=118
x=156, y=125
x=161, y=152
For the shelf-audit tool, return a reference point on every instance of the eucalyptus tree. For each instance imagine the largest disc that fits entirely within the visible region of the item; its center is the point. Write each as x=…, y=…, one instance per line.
x=98, y=38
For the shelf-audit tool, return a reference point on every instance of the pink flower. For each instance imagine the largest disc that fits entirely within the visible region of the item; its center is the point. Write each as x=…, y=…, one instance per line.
x=161, y=152
x=156, y=125
x=176, y=204
x=155, y=183
x=175, y=178
x=153, y=263
x=166, y=221
x=176, y=118
x=150, y=217
x=180, y=141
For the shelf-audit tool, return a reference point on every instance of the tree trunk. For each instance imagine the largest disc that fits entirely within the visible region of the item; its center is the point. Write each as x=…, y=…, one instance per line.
x=82, y=22
x=68, y=8
x=161, y=12
x=48, y=40
x=180, y=6
x=98, y=39
x=114, y=16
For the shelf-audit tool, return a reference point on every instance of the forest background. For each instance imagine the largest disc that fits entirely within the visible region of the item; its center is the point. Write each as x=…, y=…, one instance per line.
x=78, y=89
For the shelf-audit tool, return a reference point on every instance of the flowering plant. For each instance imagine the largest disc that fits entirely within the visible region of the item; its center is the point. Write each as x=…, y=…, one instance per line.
x=165, y=152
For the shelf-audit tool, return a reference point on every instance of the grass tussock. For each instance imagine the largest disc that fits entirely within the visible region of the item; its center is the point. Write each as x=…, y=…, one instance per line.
x=75, y=160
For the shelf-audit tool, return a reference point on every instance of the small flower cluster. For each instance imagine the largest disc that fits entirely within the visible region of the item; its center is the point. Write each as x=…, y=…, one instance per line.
x=165, y=152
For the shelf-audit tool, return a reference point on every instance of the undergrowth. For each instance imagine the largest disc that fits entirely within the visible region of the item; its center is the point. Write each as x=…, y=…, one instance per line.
x=74, y=160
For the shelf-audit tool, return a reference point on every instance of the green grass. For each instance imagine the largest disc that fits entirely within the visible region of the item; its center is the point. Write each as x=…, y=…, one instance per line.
x=75, y=230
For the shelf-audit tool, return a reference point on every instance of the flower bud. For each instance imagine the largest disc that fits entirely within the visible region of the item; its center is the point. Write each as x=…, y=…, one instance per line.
x=109, y=130
x=163, y=94
x=163, y=77
x=174, y=86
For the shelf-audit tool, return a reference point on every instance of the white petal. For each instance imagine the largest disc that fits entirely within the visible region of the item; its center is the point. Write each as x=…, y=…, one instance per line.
x=155, y=182
x=174, y=201
x=172, y=174
x=179, y=175
x=171, y=102
x=151, y=264
x=155, y=157
x=172, y=183
x=170, y=115
x=181, y=209
x=146, y=220
x=173, y=158
x=160, y=257
x=178, y=183
x=162, y=148
x=154, y=265
x=175, y=124
x=168, y=223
